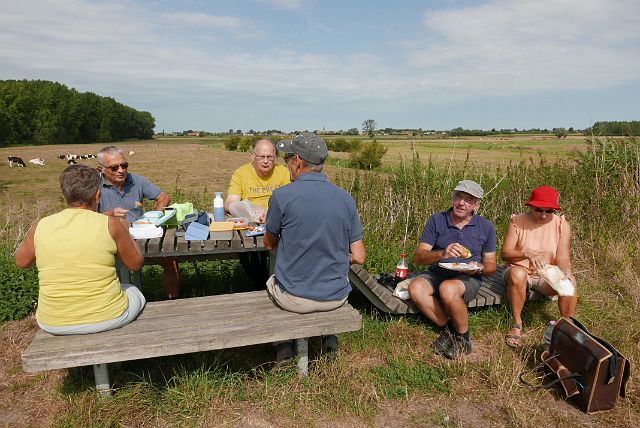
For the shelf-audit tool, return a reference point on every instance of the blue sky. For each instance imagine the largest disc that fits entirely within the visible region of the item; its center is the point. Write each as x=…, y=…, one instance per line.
x=313, y=64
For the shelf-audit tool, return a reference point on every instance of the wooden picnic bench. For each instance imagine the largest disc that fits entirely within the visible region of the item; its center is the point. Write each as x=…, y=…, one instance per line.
x=188, y=325
x=492, y=292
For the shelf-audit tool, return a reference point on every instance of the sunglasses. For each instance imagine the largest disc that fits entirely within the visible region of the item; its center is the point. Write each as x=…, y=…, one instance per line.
x=116, y=167
x=542, y=210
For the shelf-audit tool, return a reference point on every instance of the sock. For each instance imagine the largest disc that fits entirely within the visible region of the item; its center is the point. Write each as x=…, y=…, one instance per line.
x=449, y=326
x=464, y=335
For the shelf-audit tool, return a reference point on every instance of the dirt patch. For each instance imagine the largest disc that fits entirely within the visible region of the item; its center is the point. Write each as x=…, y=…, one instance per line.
x=25, y=399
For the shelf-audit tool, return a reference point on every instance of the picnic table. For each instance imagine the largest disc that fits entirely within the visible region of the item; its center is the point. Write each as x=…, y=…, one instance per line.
x=219, y=246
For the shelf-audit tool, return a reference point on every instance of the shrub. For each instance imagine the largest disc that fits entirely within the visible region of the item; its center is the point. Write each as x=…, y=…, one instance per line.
x=18, y=288
x=232, y=142
x=342, y=145
x=369, y=156
x=245, y=144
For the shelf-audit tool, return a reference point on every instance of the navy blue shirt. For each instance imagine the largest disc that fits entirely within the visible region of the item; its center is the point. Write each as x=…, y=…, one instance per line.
x=479, y=236
x=315, y=222
x=134, y=189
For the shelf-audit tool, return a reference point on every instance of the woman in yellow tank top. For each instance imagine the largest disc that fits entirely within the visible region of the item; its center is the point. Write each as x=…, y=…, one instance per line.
x=75, y=251
x=535, y=241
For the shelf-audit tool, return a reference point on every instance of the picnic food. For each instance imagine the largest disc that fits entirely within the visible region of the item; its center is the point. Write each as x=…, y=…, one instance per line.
x=465, y=253
x=553, y=276
x=461, y=267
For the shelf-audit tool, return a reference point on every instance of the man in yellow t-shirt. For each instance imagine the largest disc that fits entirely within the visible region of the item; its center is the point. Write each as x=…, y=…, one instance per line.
x=248, y=196
x=251, y=184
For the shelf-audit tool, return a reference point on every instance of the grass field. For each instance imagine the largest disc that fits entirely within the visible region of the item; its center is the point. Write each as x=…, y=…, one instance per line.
x=386, y=374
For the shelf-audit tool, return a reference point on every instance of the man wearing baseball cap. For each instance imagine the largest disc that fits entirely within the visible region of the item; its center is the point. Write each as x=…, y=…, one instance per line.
x=442, y=292
x=316, y=229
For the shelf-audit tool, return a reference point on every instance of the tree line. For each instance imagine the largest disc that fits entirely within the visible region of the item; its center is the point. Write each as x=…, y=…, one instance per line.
x=45, y=112
x=615, y=128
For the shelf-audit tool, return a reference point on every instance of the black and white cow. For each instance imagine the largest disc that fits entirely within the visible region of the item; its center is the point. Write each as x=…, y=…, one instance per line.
x=18, y=161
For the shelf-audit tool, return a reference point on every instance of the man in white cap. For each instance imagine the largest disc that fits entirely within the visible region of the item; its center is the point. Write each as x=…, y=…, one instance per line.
x=317, y=231
x=451, y=237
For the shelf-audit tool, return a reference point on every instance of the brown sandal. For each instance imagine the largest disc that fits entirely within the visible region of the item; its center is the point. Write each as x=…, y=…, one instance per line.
x=514, y=341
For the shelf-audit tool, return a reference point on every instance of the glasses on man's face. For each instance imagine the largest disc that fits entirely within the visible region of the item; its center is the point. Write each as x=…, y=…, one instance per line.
x=468, y=199
x=269, y=158
x=116, y=167
x=542, y=210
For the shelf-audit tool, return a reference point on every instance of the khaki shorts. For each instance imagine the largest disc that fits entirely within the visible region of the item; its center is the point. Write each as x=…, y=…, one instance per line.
x=300, y=305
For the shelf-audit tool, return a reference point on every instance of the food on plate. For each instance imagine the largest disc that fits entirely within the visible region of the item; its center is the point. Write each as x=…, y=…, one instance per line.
x=462, y=267
x=465, y=253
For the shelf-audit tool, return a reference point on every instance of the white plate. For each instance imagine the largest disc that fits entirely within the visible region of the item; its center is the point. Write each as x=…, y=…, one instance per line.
x=461, y=267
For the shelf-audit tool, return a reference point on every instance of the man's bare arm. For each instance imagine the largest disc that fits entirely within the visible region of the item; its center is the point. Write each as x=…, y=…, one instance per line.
x=356, y=252
x=270, y=241
x=162, y=201
x=424, y=255
x=229, y=200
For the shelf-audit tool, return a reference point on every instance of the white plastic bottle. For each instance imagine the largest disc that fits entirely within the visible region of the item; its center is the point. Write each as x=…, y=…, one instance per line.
x=218, y=207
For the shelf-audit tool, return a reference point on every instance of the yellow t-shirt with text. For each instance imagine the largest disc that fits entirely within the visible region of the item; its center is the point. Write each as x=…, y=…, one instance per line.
x=248, y=185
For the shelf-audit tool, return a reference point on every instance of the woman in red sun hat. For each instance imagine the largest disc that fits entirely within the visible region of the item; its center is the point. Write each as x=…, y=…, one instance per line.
x=536, y=248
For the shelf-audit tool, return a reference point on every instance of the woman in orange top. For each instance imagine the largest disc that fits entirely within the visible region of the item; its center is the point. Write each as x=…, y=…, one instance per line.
x=535, y=239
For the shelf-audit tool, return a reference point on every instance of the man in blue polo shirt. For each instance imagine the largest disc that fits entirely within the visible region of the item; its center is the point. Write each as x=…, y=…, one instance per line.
x=457, y=235
x=317, y=231
x=121, y=195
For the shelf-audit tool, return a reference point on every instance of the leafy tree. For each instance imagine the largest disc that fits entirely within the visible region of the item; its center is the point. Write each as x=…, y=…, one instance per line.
x=44, y=112
x=369, y=156
x=352, y=131
x=560, y=132
x=369, y=127
x=232, y=143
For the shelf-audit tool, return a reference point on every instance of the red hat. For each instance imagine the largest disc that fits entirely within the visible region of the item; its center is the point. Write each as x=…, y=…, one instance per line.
x=544, y=197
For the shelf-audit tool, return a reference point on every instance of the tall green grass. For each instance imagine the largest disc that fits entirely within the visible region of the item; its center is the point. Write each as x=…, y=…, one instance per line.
x=388, y=363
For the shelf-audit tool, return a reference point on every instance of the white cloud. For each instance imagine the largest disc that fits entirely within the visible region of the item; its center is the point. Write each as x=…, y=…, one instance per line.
x=284, y=4
x=127, y=50
x=526, y=46
x=202, y=19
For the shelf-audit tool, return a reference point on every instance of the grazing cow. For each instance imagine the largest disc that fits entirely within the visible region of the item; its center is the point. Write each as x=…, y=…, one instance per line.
x=37, y=161
x=62, y=156
x=131, y=152
x=72, y=157
x=18, y=161
x=71, y=161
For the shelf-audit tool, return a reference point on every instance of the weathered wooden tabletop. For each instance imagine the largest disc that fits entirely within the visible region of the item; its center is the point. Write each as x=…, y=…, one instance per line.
x=173, y=244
